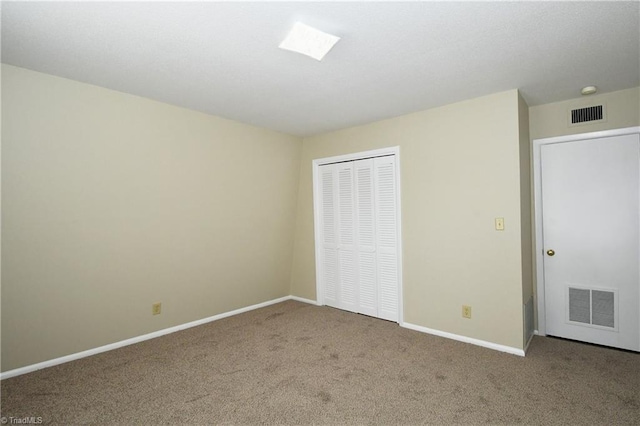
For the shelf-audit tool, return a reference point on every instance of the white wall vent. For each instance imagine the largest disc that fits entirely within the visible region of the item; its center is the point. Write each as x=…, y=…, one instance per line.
x=579, y=305
x=602, y=308
x=528, y=320
x=588, y=114
x=592, y=307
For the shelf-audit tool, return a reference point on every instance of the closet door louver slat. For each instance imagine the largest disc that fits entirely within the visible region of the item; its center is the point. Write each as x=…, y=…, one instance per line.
x=359, y=253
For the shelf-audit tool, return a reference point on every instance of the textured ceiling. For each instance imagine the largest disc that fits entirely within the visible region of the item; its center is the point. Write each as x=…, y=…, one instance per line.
x=392, y=59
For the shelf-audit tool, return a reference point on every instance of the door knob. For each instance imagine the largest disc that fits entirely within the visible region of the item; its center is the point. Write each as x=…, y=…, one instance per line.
x=551, y=252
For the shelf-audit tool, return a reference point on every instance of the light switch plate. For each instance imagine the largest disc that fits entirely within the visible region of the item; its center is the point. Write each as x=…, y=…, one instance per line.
x=499, y=224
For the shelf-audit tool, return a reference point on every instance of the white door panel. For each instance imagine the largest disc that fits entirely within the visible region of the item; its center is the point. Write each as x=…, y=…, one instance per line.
x=366, y=237
x=348, y=295
x=591, y=222
x=329, y=243
x=387, y=237
x=358, y=230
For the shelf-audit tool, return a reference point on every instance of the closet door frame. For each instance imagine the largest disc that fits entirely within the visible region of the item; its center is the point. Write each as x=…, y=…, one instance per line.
x=317, y=210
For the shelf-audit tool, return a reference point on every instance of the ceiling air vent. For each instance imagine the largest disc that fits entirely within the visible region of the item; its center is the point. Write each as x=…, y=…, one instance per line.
x=587, y=114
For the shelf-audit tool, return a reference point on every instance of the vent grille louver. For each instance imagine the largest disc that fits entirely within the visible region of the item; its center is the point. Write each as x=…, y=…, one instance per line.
x=528, y=320
x=583, y=115
x=580, y=305
x=602, y=308
x=592, y=307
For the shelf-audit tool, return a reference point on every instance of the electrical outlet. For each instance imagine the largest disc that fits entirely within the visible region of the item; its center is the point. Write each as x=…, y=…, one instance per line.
x=156, y=308
x=466, y=311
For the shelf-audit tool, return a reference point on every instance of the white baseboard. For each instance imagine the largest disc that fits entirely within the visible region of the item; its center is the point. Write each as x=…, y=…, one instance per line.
x=303, y=300
x=138, y=339
x=477, y=342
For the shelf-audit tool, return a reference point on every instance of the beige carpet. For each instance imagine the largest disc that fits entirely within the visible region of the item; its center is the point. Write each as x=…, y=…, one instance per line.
x=293, y=363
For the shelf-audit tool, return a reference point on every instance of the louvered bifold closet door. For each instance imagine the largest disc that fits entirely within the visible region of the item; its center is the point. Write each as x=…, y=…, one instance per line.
x=366, y=238
x=329, y=226
x=386, y=238
x=347, y=256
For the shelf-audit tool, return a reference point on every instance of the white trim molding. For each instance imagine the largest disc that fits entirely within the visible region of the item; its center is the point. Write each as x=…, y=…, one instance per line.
x=537, y=203
x=465, y=339
x=303, y=300
x=138, y=339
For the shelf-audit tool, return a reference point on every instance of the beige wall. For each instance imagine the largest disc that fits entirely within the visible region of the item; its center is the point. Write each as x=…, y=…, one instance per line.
x=526, y=229
x=623, y=110
x=112, y=202
x=525, y=200
x=550, y=120
x=460, y=168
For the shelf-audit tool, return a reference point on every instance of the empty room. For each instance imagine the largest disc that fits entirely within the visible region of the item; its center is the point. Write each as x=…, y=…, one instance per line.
x=320, y=213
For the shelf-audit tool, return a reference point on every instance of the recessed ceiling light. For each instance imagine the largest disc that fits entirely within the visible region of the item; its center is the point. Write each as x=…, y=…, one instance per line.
x=308, y=41
x=589, y=90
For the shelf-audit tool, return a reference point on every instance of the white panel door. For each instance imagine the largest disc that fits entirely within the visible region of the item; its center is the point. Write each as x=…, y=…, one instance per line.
x=591, y=218
x=358, y=249
x=347, y=255
x=386, y=237
x=366, y=238
x=329, y=272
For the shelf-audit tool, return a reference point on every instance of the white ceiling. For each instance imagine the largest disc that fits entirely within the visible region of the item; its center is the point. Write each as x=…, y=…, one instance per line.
x=393, y=58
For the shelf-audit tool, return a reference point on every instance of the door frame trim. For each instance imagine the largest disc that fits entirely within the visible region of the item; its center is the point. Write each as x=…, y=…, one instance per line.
x=395, y=151
x=538, y=248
